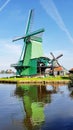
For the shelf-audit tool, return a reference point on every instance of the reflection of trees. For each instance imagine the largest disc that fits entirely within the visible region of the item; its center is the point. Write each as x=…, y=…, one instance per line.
x=71, y=94
x=34, y=99
x=71, y=90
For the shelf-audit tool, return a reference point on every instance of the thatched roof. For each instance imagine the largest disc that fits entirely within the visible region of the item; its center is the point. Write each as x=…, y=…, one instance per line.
x=58, y=68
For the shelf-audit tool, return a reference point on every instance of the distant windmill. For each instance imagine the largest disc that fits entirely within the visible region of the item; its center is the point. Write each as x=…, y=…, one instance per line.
x=54, y=61
x=32, y=49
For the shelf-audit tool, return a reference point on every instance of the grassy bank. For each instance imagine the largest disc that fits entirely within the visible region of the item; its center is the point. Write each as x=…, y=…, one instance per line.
x=35, y=79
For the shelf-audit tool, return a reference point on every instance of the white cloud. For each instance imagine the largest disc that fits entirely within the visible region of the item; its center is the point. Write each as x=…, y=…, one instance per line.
x=8, y=46
x=9, y=53
x=13, y=48
x=51, y=10
x=4, y=5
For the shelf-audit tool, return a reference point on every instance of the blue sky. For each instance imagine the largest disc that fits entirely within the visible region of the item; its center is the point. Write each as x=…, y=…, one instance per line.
x=55, y=16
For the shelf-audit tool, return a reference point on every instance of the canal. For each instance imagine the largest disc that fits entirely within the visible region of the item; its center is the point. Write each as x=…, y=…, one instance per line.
x=36, y=107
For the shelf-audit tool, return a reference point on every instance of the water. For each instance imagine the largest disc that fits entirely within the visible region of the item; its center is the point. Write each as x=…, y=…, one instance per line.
x=30, y=107
x=7, y=75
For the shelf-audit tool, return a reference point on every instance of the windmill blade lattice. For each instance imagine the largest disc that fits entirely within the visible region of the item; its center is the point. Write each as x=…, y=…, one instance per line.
x=30, y=21
x=56, y=59
x=59, y=56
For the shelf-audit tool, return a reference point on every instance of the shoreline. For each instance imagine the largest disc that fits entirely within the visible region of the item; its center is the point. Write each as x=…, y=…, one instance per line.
x=33, y=81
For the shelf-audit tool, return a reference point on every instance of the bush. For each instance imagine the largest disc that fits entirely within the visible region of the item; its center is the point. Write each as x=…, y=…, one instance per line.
x=71, y=80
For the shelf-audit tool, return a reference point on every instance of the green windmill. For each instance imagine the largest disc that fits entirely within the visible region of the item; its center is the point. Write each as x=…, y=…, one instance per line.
x=32, y=50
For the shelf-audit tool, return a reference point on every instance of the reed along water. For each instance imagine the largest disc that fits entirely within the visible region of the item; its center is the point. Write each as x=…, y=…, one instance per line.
x=36, y=107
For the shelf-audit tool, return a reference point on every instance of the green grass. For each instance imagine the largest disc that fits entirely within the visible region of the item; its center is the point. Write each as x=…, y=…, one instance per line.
x=50, y=78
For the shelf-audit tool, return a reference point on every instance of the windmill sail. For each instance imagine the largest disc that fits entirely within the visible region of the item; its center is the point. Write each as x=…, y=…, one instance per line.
x=29, y=22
